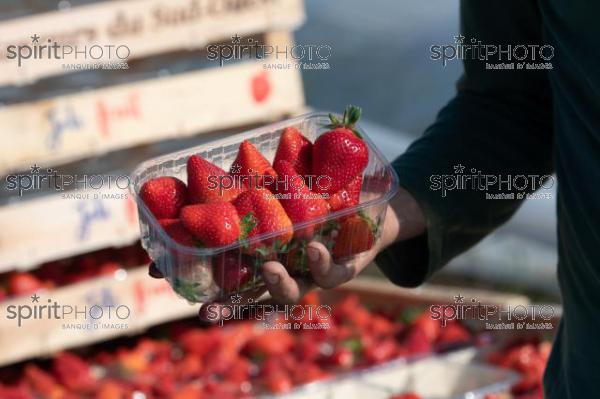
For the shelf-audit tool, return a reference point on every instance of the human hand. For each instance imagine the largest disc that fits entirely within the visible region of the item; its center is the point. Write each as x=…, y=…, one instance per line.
x=404, y=219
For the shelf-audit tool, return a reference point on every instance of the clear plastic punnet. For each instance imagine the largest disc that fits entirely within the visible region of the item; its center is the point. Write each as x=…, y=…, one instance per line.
x=191, y=271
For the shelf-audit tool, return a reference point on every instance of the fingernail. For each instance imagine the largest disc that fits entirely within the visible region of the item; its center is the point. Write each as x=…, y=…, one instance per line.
x=313, y=254
x=272, y=278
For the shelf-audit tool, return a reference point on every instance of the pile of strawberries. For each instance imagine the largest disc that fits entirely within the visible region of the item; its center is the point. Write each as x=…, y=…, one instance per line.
x=71, y=270
x=529, y=358
x=241, y=359
x=306, y=182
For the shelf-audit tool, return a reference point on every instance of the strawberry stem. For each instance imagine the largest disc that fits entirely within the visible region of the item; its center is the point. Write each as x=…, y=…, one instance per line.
x=351, y=116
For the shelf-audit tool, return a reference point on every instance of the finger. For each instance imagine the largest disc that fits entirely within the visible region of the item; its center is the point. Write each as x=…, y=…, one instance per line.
x=325, y=272
x=214, y=312
x=283, y=288
x=153, y=271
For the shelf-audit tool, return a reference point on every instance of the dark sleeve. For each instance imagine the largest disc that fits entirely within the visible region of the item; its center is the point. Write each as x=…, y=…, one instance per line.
x=498, y=124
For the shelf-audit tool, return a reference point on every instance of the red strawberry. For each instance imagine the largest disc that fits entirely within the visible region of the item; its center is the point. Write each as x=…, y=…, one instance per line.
x=266, y=212
x=409, y=395
x=342, y=358
x=252, y=166
x=347, y=196
x=454, y=333
x=432, y=328
x=43, y=383
x=207, y=183
x=214, y=225
x=416, y=341
x=73, y=372
x=175, y=229
x=23, y=283
x=164, y=196
x=296, y=149
x=299, y=202
x=108, y=268
x=230, y=270
x=339, y=154
x=356, y=235
x=278, y=382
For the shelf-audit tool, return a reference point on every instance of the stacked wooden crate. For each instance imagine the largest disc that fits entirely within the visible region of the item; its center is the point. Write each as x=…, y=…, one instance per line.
x=65, y=120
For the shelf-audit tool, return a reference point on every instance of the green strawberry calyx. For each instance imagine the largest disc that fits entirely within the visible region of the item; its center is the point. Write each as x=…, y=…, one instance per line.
x=187, y=289
x=350, y=118
x=247, y=224
x=374, y=226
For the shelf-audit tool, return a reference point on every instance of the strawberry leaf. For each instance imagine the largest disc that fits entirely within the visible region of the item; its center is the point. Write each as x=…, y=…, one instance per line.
x=187, y=289
x=351, y=116
x=262, y=251
x=353, y=112
x=247, y=224
x=357, y=134
x=334, y=120
x=408, y=315
x=354, y=344
x=280, y=246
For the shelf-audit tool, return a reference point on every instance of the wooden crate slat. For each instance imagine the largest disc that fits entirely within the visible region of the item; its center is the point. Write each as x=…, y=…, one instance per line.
x=150, y=301
x=146, y=27
x=76, y=126
x=381, y=292
x=53, y=227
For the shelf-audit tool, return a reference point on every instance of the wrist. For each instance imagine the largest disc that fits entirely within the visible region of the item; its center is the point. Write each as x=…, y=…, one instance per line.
x=404, y=219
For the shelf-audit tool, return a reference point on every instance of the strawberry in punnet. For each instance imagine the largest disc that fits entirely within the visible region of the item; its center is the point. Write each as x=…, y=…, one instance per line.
x=347, y=196
x=175, y=229
x=299, y=202
x=296, y=149
x=262, y=213
x=252, y=167
x=164, y=196
x=357, y=234
x=203, y=182
x=213, y=225
x=339, y=154
x=230, y=270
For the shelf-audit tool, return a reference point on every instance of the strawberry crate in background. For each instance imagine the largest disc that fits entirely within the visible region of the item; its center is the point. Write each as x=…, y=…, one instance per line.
x=210, y=237
x=240, y=359
x=371, y=323
x=104, y=279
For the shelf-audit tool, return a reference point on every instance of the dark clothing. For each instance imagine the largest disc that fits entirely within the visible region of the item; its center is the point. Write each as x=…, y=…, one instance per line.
x=520, y=122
